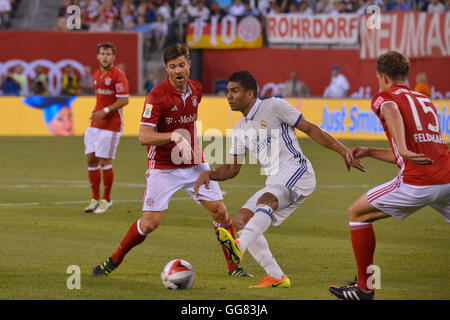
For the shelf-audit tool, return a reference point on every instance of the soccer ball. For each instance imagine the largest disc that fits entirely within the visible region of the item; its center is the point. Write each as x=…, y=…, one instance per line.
x=178, y=274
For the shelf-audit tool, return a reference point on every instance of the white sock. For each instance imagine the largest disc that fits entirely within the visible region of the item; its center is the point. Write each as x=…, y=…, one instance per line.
x=260, y=251
x=255, y=227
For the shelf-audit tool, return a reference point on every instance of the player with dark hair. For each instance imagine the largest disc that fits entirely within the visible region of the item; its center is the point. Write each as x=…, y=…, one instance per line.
x=175, y=160
x=411, y=124
x=267, y=129
x=103, y=135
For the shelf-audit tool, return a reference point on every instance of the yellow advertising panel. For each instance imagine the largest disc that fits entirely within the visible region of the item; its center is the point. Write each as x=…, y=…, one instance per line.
x=131, y=114
x=18, y=119
x=343, y=118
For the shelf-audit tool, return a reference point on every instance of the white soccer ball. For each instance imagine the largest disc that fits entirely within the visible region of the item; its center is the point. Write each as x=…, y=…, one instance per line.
x=178, y=274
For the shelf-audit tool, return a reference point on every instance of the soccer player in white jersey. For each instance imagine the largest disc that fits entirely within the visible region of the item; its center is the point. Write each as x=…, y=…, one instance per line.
x=267, y=129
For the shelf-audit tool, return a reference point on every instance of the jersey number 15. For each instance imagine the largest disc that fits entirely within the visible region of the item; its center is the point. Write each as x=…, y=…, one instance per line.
x=426, y=109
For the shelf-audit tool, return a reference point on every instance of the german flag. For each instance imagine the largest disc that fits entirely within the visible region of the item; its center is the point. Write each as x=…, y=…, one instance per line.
x=228, y=33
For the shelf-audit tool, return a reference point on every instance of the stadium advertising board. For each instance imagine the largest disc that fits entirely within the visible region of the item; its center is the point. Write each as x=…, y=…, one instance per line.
x=320, y=28
x=272, y=68
x=415, y=34
x=230, y=32
x=54, y=50
x=63, y=116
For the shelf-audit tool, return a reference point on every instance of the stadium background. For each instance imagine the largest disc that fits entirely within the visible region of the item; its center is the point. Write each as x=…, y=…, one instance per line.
x=271, y=39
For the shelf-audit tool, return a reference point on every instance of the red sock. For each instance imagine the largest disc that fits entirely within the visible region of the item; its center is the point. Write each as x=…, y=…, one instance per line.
x=229, y=226
x=363, y=242
x=108, y=178
x=95, y=179
x=131, y=239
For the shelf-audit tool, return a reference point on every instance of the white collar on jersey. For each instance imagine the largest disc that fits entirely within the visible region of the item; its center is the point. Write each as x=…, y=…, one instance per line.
x=187, y=94
x=254, y=109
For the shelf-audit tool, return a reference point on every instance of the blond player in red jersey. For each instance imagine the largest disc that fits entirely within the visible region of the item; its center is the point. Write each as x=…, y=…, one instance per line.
x=175, y=160
x=102, y=136
x=411, y=124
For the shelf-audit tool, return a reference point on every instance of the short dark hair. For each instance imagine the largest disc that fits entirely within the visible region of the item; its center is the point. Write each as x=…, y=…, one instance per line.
x=394, y=65
x=245, y=79
x=175, y=51
x=106, y=45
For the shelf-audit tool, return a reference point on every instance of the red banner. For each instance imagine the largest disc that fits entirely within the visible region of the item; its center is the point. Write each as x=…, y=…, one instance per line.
x=272, y=67
x=53, y=50
x=415, y=34
x=303, y=28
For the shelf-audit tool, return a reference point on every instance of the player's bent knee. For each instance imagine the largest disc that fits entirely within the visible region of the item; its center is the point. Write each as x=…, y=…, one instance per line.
x=352, y=213
x=104, y=162
x=92, y=161
x=218, y=211
x=150, y=222
x=241, y=219
x=238, y=224
x=268, y=199
x=148, y=226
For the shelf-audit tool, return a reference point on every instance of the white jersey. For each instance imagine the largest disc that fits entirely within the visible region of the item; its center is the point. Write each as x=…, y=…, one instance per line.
x=268, y=132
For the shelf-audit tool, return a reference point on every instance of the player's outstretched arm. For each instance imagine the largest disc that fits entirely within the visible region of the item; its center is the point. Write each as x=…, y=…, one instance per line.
x=325, y=139
x=224, y=172
x=377, y=153
x=394, y=123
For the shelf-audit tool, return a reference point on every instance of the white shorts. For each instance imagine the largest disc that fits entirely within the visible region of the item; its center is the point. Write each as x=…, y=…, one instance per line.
x=103, y=143
x=163, y=183
x=399, y=199
x=290, y=191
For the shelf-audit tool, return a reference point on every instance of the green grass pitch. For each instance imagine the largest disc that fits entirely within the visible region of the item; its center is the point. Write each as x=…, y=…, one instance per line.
x=43, y=231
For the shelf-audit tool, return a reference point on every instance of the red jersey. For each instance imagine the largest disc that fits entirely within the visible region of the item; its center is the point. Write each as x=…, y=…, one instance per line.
x=108, y=87
x=422, y=134
x=167, y=109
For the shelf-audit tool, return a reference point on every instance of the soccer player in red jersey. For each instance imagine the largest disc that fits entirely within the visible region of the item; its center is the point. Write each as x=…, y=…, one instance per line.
x=411, y=124
x=175, y=160
x=102, y=136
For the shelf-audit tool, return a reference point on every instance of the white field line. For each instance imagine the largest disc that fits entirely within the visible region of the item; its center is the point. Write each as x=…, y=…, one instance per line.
x=61, y=203
x=83, y=184
x=40, y=183
x=136, y=185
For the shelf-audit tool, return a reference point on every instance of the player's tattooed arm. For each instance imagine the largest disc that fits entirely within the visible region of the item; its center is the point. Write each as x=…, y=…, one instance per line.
x=223, y=172
x=226, y=171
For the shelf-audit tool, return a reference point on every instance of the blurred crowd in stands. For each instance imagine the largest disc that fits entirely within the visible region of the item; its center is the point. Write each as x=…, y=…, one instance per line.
x=157, y=19
x=7, y=10
x=73, y=83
